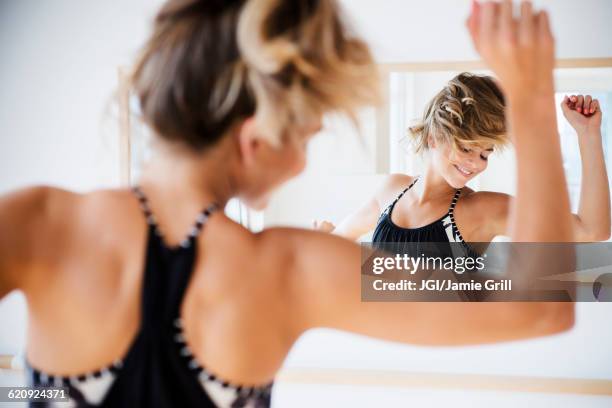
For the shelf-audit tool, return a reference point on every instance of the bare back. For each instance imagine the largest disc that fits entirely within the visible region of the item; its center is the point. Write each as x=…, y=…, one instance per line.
x=91, y=280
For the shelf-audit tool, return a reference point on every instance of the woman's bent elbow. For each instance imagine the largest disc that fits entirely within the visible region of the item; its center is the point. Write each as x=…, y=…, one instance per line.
x=556, y=317
x=603, y=235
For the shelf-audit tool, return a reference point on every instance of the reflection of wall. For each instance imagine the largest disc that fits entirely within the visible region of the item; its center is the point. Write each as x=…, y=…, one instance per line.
x=314, y=196
x=340, y=175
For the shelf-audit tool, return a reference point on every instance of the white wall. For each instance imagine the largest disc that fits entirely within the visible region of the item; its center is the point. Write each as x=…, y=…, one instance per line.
x=433, y=30
x=58, y=75
x=341, y=171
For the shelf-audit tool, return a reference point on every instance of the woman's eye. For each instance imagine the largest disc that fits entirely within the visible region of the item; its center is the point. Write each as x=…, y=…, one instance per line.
x=465, y=150
x=485, y=158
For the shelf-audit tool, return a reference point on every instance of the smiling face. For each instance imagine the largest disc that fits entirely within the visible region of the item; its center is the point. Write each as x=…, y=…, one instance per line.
x=461, y=126
x=458, y=165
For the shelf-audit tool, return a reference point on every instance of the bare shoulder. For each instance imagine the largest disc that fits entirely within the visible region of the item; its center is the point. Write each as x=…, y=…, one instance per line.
x=393, y=185
x=397, y=180
x=239, y=257
x=49, y=225
x=31, y=213
x=116, y=207
x=486, y=209
x=249, y=277
x=38, y=202
x=287, y=245
x=279, y=245
x=310, y=266
x=282, y=256
x=485, y=200
x=48, y=209
x=251, y=270
x=482, y=215
x=29, y=219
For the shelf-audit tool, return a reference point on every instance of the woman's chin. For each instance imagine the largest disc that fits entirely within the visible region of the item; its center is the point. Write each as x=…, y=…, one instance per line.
x=457, y=182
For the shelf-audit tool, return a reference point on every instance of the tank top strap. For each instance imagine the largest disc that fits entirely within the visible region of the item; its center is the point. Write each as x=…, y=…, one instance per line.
x=400, y=195
x=451, y=213
x=167, y=270
x=199, y=222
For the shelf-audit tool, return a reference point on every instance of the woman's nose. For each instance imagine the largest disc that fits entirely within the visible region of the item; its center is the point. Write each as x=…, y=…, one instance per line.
x=470, y=162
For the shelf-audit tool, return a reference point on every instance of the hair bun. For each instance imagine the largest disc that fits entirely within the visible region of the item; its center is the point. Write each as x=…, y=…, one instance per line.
x=217, y=6
x=211, y=64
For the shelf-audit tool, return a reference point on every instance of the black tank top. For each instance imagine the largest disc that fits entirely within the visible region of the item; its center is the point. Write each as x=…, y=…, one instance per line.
x=440, y=238
x=443, y=229
x=159, y=369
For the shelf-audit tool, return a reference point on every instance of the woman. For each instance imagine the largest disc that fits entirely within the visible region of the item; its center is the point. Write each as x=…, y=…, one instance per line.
x=462, y=125
x=127, y=310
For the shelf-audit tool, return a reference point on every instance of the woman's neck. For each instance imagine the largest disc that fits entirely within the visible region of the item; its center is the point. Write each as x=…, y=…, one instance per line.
x=190, y=179
x=432, y=186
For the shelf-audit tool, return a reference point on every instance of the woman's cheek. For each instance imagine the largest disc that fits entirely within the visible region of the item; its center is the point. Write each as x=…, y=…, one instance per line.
x=484, y=167
x=291, y=164
x=297, y=162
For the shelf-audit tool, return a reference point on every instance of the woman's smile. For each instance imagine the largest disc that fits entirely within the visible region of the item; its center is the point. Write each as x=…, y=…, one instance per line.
x=463, y=171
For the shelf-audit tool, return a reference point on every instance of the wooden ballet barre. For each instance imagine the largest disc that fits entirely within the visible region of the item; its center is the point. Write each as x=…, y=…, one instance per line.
x=476, y=382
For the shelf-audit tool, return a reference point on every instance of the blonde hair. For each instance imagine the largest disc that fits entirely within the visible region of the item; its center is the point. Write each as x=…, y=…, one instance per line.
x=469, y=111
x=210, y=64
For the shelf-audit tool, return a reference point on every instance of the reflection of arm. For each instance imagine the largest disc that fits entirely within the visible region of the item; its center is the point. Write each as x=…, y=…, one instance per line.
x=592, y=223
x=365, y=218
x=542, y=203
x=360, y=222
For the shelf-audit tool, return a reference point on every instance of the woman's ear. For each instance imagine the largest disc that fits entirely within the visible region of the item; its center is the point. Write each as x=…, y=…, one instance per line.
x=248, y=142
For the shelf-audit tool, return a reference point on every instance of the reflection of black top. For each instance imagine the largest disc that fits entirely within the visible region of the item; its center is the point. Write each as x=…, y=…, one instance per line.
x=442, y=230
x=439, y=239
x=159, y=369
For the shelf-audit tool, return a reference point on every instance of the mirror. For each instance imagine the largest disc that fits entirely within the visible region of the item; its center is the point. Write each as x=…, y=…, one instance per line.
x=346, y=165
